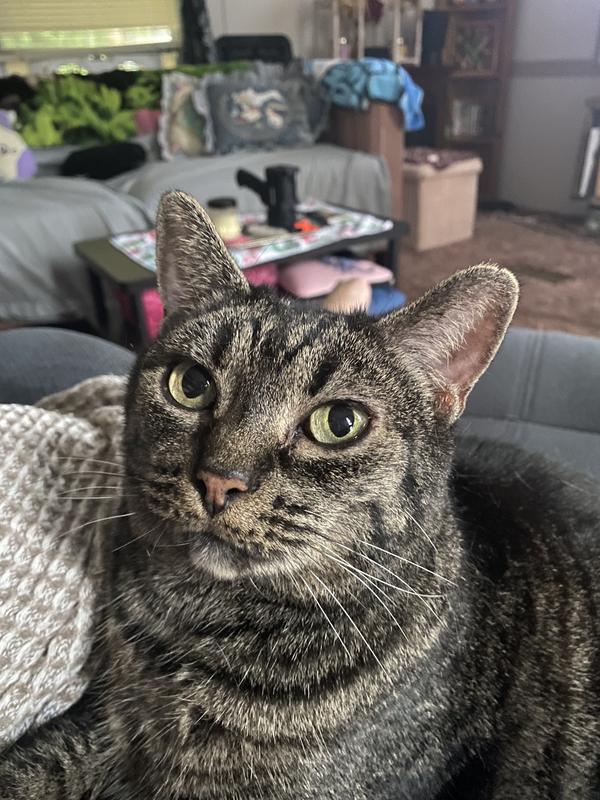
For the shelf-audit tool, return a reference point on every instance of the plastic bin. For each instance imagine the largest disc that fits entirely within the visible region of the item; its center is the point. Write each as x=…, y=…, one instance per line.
x=440, y=204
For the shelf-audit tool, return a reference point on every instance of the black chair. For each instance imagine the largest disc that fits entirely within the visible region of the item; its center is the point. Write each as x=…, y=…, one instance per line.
x=274, y=49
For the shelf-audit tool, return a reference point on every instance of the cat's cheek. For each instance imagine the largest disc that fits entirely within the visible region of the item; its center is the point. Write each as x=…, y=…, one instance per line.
x=181, y=509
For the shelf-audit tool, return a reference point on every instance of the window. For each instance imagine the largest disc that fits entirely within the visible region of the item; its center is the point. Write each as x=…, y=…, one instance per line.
x=68, y=25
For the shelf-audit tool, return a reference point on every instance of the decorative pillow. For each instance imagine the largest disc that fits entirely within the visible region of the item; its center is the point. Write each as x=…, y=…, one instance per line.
x=16, y=159
x=317, y=277
x=314, y=93
x=248, y=112
x=185, y=127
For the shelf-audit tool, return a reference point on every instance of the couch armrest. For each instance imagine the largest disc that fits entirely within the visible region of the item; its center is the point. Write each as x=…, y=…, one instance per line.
x=378, y=130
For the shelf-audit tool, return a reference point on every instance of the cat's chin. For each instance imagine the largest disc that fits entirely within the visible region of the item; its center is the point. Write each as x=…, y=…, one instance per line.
x=221, y=559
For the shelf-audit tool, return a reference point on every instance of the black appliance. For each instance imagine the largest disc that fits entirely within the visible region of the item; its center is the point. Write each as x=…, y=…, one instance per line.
x=277, y=191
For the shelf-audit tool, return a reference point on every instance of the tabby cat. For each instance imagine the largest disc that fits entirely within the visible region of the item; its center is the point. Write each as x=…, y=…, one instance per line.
x=317, y=595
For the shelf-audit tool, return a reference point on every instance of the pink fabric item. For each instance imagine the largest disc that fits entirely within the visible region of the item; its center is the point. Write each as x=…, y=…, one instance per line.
x=263, y=275
x=152, y=306
x=313, y=278
x=146, y=121
x=124, y=301
x=153, y=312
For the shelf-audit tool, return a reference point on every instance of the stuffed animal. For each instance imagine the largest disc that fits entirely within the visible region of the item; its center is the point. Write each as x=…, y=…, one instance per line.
x=16, y=159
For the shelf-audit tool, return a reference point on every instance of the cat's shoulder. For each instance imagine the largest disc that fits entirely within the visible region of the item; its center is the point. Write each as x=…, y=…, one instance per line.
x=511, y=499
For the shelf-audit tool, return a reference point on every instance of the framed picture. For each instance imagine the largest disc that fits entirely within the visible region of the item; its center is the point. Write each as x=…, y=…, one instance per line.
x=472, y=45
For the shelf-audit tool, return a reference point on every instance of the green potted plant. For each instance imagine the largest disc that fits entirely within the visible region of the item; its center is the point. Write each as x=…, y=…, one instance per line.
x=71, y=110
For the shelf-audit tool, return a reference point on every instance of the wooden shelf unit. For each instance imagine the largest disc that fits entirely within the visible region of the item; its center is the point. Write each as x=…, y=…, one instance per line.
x=471, y=8
x=443, y=84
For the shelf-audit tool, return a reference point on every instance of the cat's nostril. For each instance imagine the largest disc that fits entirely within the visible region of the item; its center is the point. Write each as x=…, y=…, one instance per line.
x=230, y=494
x=218, y=491
x=201, y=486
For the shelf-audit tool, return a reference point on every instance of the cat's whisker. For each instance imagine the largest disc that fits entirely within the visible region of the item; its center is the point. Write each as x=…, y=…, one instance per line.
x=408, y=561
x=410, y=590
x=324, y=613
x=98, y=497
x=178, y=544
x=160, y=535
x=95, y=486
x=364, y=577
x=136, y=538
x=120, y=478
x=92, y=472
x=371, y=588
x=258, y=591
x=346, y=590
x=354, y=625
x=421, y=528
x=89, y=460
x=100, y=519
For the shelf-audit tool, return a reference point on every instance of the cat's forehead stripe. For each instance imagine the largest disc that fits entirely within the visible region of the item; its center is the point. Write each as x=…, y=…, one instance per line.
x=221, y=344
x=309, y=338
x=266, y=341
x=322, y=375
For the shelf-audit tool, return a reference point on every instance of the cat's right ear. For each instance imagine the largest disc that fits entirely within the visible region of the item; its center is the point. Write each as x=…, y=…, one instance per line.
x=452, y=333
x=193, y=265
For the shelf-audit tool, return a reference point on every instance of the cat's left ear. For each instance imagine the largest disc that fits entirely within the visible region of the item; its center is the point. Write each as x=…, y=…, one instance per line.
x=193, y=264
x=451, y=334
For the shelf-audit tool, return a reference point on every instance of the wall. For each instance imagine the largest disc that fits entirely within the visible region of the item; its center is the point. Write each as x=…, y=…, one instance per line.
x=294, y=18
x=555, y=69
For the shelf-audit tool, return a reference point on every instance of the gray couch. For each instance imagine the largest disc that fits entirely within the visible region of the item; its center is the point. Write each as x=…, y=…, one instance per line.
x=541, y=392
x=43, y=280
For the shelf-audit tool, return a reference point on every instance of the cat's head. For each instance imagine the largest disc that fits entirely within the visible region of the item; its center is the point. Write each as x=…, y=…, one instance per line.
x=262, y=430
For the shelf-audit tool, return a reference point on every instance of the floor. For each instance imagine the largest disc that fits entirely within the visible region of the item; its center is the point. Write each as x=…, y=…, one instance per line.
x=558, y=269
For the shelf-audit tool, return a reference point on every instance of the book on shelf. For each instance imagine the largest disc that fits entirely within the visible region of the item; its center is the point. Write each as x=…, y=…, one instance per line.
x=586, y=184
x=467, y=119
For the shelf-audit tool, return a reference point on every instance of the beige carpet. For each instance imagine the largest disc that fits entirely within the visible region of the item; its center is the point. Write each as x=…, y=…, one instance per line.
x=558, y=269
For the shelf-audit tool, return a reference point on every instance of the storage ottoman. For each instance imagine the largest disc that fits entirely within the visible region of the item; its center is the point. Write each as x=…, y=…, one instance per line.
x=440, y=203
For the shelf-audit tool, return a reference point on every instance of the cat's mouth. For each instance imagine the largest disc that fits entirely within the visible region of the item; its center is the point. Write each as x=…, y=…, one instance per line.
x=215, y=552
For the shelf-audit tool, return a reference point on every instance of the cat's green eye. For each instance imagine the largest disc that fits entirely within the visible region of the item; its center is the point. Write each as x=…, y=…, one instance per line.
x=336, y=423
x=191, y=386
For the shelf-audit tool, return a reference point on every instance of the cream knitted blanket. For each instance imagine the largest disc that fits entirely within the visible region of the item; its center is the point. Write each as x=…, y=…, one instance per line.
x=59, y=480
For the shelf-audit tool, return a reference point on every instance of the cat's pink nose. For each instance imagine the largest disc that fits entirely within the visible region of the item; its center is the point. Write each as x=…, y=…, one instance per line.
x=218, y=491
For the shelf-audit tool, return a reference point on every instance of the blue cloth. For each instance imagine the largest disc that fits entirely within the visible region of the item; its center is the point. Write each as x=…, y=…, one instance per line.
x=352, y=84
x=384, y=299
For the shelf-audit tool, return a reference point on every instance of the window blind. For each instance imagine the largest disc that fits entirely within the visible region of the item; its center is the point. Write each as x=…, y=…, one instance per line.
x=73, y=24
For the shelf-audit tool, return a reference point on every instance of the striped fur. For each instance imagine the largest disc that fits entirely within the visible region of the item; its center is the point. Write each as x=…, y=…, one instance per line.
x=392, y=619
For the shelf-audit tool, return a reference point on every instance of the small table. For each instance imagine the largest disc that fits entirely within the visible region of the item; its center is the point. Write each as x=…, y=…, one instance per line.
x=112, y=270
